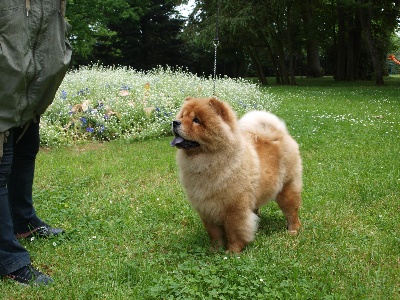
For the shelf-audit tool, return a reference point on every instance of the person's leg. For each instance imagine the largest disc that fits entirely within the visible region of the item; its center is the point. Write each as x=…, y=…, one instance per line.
x=20, y=181
x=12, y=255
x=15, y=260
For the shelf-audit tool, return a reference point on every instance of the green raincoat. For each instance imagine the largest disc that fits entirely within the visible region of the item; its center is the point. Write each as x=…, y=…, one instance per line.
x=34, y=57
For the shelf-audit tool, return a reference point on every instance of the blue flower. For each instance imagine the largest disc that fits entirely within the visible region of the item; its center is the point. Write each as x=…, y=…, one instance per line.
x=83, y=120
x=83, y=92
x=63, y=95
x=89, y=129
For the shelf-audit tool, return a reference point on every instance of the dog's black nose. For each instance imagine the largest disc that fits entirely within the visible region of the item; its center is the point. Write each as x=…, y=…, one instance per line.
x=176, y=123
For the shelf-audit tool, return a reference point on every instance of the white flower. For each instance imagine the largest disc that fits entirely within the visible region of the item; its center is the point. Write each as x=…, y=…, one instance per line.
x=54, y=244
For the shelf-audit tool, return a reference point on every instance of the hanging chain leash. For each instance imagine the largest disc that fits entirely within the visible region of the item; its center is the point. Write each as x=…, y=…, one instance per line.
x=216, y=43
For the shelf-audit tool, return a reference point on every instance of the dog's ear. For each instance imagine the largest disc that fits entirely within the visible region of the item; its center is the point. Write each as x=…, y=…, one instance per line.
x=217, y=105
x=224, y=110
x=188, y=98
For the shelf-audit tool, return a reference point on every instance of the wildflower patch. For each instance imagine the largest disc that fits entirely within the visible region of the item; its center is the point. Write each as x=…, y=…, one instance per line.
x=107, y=103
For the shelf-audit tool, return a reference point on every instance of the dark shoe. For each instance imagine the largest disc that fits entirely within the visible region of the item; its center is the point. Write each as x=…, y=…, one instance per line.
x=30, y=276
x=44, y=231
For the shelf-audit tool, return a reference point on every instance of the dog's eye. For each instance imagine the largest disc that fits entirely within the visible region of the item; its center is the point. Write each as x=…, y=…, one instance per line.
x=196, y=120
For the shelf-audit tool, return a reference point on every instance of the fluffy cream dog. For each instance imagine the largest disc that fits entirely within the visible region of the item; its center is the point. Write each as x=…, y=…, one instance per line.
x=230, y=168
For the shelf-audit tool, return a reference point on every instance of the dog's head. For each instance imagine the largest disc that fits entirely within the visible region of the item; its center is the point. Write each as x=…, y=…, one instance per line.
x=203, y=124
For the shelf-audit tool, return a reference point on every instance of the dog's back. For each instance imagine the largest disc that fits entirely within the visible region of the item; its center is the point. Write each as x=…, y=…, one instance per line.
x=263, y=124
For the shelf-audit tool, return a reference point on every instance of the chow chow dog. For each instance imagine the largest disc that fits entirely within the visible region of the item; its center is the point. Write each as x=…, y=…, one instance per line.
x=229, y=168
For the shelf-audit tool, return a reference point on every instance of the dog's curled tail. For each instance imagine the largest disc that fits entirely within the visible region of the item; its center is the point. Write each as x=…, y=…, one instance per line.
x=263, y=124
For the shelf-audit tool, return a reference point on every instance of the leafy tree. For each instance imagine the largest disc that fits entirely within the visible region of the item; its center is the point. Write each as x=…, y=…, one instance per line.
x=138, y=33
x=349, y=39
x=394, y=68
x=351, y=36
x=264, y=32
x=363, y=38
x=378, y=20
x=89, y=20
x=145, y=43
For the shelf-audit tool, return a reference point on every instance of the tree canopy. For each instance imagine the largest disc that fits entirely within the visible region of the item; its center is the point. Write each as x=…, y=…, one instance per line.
x=348, y=39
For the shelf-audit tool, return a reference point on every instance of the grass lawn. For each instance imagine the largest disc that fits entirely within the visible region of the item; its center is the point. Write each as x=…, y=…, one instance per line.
x=131, y=233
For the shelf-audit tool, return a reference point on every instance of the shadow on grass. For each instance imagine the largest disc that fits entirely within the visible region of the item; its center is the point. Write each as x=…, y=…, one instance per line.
x=271, y=223
x=197, y=242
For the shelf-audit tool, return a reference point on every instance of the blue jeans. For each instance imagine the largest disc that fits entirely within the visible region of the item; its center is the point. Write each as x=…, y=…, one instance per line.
x=17, y=214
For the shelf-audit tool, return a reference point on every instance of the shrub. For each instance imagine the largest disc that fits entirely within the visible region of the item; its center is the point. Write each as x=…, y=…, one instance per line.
x=107, y=103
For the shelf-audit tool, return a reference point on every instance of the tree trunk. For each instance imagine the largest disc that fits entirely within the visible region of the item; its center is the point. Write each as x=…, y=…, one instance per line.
x=281, y=62
x=357, y=47
x=257, y=64
x=341, y=44
x=365, y=18
x=290, y=46
x=353, y=46
x=275, y=63
x=350, y=53
x=313, y=61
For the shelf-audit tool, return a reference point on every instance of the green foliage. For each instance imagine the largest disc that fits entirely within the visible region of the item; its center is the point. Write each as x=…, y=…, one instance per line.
x=147, y=43
x=131, y=234
x=267, y=35
x=139, y=34
x=90, y=19
x=257, y=38
x=101, y=103
x=393, y=67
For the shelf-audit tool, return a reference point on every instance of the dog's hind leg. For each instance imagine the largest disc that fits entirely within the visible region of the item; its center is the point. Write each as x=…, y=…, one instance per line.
x=289, y=201
x=240, y=229
x=216, y=234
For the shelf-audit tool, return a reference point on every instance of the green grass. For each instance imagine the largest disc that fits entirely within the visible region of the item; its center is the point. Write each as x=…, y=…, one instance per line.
x=131, y=234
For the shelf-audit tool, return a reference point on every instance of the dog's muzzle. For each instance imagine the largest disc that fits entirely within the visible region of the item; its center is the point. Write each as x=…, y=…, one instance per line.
x=179, y=141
